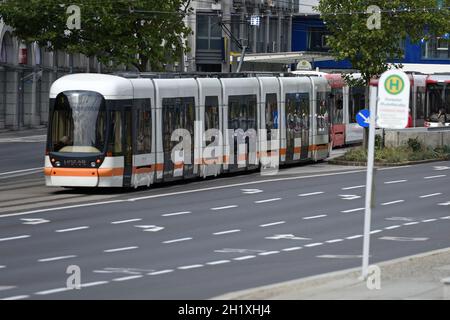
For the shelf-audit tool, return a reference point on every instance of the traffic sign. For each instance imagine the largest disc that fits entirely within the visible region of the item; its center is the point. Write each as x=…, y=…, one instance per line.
x=393, y=100
x=363, y=118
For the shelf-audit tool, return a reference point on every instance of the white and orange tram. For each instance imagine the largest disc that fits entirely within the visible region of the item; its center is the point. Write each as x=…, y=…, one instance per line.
x=114, y=131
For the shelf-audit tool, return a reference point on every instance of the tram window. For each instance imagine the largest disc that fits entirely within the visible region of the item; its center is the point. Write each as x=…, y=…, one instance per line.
x=115, y=141
x=211, y=112
x=357, y=102
x=297, y=112
x=242, y=112
x=144, y=126
x=271, y=113
x=420, y=106
x=322, y=113
x=337, y=106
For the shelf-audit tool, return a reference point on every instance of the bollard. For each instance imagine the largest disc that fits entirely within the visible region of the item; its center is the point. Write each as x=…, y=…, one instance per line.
x=446, y=283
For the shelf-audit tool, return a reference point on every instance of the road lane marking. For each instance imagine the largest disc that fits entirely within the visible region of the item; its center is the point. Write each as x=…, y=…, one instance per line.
x=93, y=284
x=150, y=228
x=244, y=258
x=156, y=273
x=126, y=221
x=57, y=290
x=72, y=229
x=2, y=267
x=338, y=256
x=15, y=238
x=120, y=249
x=193, y=266
x=56, y=258
x=410, y=223
x=291, y=249
x=430, y=195
x=176, y=240
x=128, y=278
x=448, y=217
x=19, y=171
x=392, y=227
x=175, y=213
x=403, y=239
x=395, y=181
x=224, y=208
x=286, y=237
x=353, y=210
x=268, y=253
x=34, y=221
x=429, y=220
x=272, y=224
x=349, y=196
x=213, y=263
x=15, y=298
x=310, y=245
x=226, y=232
x=392, y=202
x=268, y=200
x=354, y=237
x=444, y=203
x=311, y=194
x=435, y=177
x=334, y=240
x=251, y=191
x=375, y=231
x=354, y=187
x=314, y=217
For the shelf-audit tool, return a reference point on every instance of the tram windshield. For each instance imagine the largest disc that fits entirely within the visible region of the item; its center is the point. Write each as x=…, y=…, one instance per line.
x=78, y=123
x=439, y=98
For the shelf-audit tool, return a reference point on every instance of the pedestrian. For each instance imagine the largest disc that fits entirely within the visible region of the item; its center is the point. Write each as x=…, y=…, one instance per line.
x=410, y=120
x=442, y=117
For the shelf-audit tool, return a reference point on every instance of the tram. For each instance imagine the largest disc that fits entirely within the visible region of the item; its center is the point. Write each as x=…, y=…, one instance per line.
x=116, y=131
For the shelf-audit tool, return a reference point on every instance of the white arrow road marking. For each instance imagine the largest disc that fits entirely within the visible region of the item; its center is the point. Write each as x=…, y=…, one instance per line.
x=349, y=196
x=287, y=237
x=34, y=221
x=150, y=228
x=251, y=191
x=403, y=239
x=444, y=203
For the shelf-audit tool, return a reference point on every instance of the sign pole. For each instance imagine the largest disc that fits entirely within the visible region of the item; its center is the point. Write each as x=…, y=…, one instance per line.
x=369, y=182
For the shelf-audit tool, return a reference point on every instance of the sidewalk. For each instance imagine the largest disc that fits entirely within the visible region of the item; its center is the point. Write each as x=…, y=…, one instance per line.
x=414, y=277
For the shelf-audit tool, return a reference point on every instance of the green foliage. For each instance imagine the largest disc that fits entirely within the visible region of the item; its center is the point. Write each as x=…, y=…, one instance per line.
x=370, y=50
x=414, y=144
x=129, y=32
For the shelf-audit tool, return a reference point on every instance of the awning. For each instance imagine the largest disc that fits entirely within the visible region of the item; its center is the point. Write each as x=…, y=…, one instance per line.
x=286, y=57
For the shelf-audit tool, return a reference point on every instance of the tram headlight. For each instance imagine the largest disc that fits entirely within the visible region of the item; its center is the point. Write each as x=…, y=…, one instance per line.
x=58, y=163
x=93, y=164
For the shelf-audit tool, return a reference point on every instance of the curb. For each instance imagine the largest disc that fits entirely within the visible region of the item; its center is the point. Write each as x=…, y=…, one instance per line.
x=315, y=282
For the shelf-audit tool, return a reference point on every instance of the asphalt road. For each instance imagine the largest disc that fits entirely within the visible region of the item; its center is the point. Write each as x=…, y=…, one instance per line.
x=206, y=238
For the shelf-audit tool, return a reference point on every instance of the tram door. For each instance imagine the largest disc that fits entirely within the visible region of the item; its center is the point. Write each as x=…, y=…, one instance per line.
x=297, y=126
x=128, y=146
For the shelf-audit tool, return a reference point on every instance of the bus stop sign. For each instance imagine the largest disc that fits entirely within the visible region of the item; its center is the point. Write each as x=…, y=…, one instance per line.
x=393, y=100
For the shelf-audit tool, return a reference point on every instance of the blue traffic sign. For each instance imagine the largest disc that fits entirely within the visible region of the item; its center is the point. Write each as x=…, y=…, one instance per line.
x=363, y=118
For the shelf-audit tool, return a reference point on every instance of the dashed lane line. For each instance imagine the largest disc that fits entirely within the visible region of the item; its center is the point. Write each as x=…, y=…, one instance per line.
x=120, y=249
x=126, y=221
x=72, y=229
x=435, y=177
x=315, y=217
x=57, y=258
x=311, y=194
x=226, y=232
x=392, y=202
x=395, y=181
x=175, y=213
x=430, y=195
x=272, y=224
x=267, y=200
x=224, y=207
x=177, y=240
x=15, y=238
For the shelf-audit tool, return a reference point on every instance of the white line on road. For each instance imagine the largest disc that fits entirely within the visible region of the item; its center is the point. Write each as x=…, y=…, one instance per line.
x=314, y=217
x=19, y=171
x=120, y=249
x=430, y=195
x=435, y=177
x=375, y=231
x=128, y=278
x=392, y=202
x=392, y=227
x=292, y=249
x=56, y=258
x=93, y=284
x=193, y=266
x=268, y=253
x=213, y=263
x=313, y=244
x=395, y=181
x=2, y=267
x=268, y=200
x=448, y=217
x=57, y=290
x=72, y=229
x=156, y=273
x=311, y=194
x=272, y=224
x=429, y=220
x=225, y=207
x=15, y=238
x=410, y=223
x=126, y=221
x=334, y=240
x=175, y=213
x=353, y=210
x=226, y=232
x=176, y=240
x=244, y=258
x=354, y=237
x=15, y=298
x=354, y=187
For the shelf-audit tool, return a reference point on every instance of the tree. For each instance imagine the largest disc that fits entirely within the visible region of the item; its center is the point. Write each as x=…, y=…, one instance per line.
x=356, y=36
x=130, y=32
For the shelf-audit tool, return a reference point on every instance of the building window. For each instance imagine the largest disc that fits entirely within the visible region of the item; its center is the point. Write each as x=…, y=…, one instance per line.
x=209, y=32
x=317, y=40
x=438, y=48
